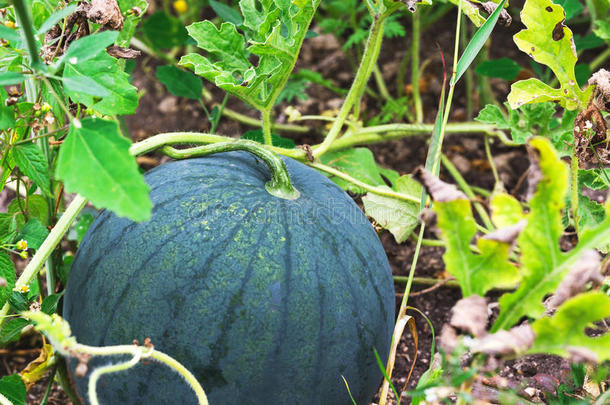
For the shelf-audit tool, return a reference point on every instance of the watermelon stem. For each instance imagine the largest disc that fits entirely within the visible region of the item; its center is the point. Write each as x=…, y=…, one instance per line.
x=279, y=185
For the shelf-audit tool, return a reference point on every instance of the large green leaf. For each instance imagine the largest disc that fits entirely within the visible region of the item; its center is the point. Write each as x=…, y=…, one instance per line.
x=94, y=161
x=563, y=334
x=359, y=163
x=97, y=80
x=551, y=43
x=274, y=31
x=544, y=265
x=397, y=216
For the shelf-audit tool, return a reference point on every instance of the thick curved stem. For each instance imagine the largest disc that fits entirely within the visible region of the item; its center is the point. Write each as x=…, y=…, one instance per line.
x=24, y=18
x=279, y=185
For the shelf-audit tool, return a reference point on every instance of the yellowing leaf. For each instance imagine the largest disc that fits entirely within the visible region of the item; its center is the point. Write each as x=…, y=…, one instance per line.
x=36, y=369
x=551, y=43
x=543, y=264
x=564, y=334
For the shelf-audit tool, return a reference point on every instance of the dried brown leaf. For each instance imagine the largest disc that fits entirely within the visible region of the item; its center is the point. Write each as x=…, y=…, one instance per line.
x=438, y=189
x=506, y=342
x=507, y=234
x=470, y=315
x=585, y=270
x=122, y=53
x=106, y=13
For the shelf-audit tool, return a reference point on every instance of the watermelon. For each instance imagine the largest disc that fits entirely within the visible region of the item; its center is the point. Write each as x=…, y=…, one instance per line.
x=266, y=300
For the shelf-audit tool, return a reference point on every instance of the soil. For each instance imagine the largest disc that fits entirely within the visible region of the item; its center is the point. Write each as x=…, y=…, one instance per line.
x=160, y=112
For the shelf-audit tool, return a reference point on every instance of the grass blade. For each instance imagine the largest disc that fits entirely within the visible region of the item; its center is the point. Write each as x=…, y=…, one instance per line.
x=476, y=43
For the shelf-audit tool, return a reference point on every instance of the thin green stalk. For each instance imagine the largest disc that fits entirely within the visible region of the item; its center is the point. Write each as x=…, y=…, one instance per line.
x=469, y=79
x=383, y=89
x=375, y=190
x=416, y=32
x=467, y=190
x=574, y=189
x=266, y=117
x=253, y=122
x=425, y=281
x=24, y=19
x=600, y=59
x=400, y=76
x=491, y=161
x=216, y=120
x=429, y=242
x=369, y=59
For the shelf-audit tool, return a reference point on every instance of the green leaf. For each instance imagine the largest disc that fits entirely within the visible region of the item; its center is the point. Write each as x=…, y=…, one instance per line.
x=275, y=32
x=476, y=273
x=549, y=42
x=359, y=163
x=56, y=17
x=7, y=272
x=9, y=78
x=64, y=269
x=7, y=115
x=533, y=120
x=103, y=69
x=397, y=216
x=543, y=263
x=476, y=43
x=79, y=84
x=179, y=82
x=13, y=388
x=503, y=68
x=49, y=304
x=596, y=179
x=11, y=331
x=34, y=233
x=37, y=207
x=276, y=140
x=131, y=19
x=571, y=7
x=94, y=161
x=18, y=301
x=11, y=35
x=164, y=31
x=32, y=163
x=88, y=47
x=602, y=29
x=227, y=13
x=582, y=71
x=82, y=225
x=565, y=330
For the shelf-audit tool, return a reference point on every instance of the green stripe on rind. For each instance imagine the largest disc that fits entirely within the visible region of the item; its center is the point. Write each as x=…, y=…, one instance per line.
x=272, y=294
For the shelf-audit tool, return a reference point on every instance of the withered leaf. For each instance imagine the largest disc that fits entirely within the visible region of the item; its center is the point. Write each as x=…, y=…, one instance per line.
x=438, y=189
x=470, y=314
x=507, y=234
x=506, y=342
x=586, y=269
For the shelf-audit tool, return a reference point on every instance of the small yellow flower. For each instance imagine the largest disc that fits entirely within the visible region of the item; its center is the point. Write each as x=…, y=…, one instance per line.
x=22, y=244
x=181, y=6
x=23, y=254
x=9, y=24
x=24, y=289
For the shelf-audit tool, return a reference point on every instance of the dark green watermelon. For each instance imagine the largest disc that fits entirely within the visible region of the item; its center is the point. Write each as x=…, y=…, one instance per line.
x=265, y=300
